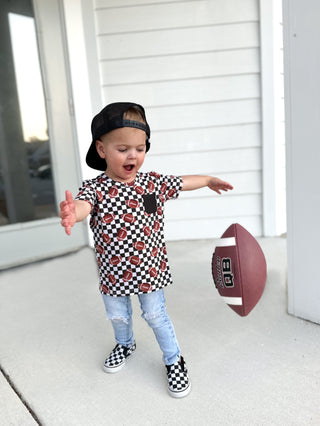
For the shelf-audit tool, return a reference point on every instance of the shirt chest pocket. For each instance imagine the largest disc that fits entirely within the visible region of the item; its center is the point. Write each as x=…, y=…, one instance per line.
x=150, y=203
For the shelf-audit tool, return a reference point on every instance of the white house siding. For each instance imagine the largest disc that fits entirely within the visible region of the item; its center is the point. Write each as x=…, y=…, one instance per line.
x=195, y=66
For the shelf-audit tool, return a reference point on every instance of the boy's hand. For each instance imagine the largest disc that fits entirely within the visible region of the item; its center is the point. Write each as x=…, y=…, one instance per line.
x=68, y=213
x=219, y=185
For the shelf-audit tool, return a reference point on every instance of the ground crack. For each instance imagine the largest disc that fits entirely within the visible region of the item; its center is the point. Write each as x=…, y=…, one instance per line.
x=24, y=402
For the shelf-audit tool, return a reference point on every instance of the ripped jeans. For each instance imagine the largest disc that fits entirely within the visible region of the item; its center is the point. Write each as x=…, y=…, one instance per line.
x=119, y=312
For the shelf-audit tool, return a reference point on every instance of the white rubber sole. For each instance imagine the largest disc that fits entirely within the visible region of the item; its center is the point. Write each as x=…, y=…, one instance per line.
x=180, y=394
x=111, y=370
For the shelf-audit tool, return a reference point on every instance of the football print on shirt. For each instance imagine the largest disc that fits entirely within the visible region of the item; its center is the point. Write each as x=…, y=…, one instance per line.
x=127, y=223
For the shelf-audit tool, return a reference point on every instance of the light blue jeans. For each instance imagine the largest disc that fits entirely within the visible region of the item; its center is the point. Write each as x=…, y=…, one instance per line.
x=119, y=312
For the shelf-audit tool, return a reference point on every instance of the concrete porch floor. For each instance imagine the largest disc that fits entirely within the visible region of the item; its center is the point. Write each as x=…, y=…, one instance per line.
x=263, y=369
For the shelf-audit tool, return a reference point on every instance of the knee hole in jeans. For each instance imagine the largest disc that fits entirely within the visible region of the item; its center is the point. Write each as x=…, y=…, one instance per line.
x=119, y=319
x=155, y=319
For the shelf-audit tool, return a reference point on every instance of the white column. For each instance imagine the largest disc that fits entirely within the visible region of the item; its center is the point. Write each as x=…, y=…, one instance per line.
x=302, y=101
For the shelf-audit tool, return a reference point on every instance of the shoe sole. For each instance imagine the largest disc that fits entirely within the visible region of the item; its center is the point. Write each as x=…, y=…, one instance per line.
x=180, y=394
x=112, y=370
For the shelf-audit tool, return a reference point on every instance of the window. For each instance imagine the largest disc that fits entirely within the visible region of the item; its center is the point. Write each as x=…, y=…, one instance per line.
x=26, y=182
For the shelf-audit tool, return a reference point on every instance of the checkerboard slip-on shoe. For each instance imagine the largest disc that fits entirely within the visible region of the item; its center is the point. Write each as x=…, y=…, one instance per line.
x=179, y=384
x=117, y=358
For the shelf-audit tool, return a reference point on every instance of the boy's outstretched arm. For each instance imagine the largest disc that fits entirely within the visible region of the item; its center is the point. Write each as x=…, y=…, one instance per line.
x=72, y=211
x=192, y=182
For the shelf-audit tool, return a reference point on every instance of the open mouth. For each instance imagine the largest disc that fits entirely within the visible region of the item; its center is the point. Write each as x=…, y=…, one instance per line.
x=129, y=167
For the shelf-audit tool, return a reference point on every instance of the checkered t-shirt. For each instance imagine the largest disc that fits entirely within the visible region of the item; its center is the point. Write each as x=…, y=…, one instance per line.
x=127, y=221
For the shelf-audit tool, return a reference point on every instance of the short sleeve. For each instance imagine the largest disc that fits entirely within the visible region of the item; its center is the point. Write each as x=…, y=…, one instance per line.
x=87, y=192
x=170, y=186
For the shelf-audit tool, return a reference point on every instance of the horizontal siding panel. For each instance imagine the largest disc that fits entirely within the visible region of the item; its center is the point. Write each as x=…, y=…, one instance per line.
x=178, y=41
x=208, y=229
x=186, y=66
x=247, y=182
x=165, y=15
x=214, y=207
x=192, y=116
x=180, y=92
x=211, y=163
x=205, y=139
x=125, y=3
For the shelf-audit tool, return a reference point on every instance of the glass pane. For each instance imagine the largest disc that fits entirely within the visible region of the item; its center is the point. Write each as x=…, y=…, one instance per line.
x=26, y=182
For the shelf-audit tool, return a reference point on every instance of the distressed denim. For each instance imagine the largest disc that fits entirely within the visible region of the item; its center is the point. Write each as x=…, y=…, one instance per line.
x=119, y=312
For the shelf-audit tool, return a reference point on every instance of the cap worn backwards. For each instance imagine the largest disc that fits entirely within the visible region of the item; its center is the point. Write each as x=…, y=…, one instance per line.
x=110, y=118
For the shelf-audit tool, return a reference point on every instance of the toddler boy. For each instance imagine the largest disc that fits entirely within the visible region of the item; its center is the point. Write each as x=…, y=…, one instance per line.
x=127, y=221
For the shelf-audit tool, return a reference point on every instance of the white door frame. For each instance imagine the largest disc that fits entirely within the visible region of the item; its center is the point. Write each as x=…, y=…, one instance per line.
x=29, y=241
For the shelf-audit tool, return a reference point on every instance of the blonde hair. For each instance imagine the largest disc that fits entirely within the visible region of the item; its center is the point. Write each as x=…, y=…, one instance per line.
x=133, y=113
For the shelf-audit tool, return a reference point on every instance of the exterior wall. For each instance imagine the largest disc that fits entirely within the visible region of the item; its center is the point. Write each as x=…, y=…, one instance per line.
x=302, y=62
x=195, y=66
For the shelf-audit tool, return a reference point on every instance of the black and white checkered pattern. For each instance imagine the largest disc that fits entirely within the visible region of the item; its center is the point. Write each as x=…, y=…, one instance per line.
x=117, y=358
x=179, y=384
x=128, y=231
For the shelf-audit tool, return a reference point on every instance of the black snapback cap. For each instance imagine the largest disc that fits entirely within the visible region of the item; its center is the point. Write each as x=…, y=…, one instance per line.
x=111, y=118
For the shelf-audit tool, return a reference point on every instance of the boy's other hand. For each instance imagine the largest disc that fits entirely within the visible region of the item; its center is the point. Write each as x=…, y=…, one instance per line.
x=219, y=185
x=68, y=212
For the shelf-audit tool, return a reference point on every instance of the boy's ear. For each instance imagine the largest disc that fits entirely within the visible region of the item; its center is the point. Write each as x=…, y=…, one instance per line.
x=100, y=148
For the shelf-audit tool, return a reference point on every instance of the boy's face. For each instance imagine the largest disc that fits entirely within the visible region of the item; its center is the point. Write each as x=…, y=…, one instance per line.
x=124, y=150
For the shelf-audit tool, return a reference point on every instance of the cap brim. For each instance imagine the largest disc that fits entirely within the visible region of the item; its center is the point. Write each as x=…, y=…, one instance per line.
x=94, y=160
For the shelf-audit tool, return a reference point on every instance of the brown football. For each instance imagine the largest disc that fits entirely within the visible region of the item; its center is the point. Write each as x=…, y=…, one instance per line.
x=239, y=269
